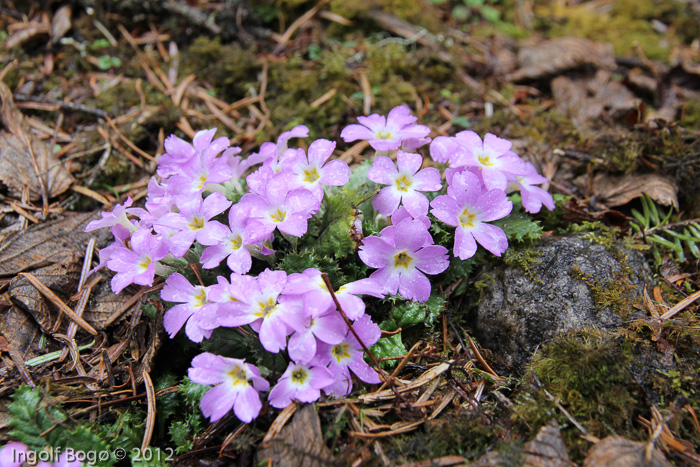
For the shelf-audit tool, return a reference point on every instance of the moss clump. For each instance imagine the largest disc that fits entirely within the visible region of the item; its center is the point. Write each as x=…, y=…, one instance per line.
x=588, y=373
x=613, y=294
x=523, y=258
x=455, y=434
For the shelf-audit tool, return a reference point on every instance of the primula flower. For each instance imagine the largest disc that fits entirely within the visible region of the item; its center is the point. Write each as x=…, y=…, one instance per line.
x=232, y=240
x=386, y=133
x=200, y=171
x=533, y=196
x=238, y=384
x=281, y=206
x=136, y=265
x=255, y=302
x=195, y=308
x=405, y=184
x=402, y=254
x=13, y=454
x=301, y=382
x=312, y=171
x=348, y=355
x=467, y=207
x=117, y=216
x=192, y=222
x=493, y=156
x=179, y=152
x=271, y=156
x=328, y=327
x=318, y=300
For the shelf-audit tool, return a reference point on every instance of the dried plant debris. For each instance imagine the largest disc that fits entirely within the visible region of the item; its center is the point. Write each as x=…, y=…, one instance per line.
x=616, y=191
x=299, y=443
x=25, y=162
x=21, y=331
x=57, y=242
x=617, y=451
x=554, y=56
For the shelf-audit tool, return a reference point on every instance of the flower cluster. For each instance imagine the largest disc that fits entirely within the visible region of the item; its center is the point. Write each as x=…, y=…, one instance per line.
x=189, y=209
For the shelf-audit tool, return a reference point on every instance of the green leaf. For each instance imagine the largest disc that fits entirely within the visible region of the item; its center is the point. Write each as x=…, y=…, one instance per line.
x=391, y=346
x=410, y=313
x=519, y=227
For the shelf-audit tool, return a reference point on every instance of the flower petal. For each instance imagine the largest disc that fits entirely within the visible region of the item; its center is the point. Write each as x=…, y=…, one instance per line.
x=383, y=171
x=491, y=237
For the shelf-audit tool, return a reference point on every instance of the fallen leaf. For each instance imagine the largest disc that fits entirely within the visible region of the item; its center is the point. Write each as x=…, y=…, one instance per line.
x=299, y=443
x=28, y=35
x=20, y=329
x=554, y=56
x=18, y=152
x=617, y=451
x=547, y=449
x=61, y=23
x=616, y=191
x=61, y=241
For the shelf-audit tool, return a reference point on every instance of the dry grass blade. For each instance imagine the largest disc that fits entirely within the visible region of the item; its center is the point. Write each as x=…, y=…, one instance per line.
x=422, y=380
x=48, y=293
x=680, y=306
x=482, y=361
x=397, y=429
x=651, y=306
x=284, y=38
x=400, y=366
x=279, y=422
x=151, y=417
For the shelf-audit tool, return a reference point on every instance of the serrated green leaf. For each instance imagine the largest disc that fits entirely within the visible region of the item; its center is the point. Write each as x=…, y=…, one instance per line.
x=519, y=227
x=411, y=313
x=391, y=346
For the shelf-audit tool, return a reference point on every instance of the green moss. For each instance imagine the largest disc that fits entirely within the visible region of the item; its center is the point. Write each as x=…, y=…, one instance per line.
x=455, y=434
x=588, y=372
x=613, y=294
x=523, y=258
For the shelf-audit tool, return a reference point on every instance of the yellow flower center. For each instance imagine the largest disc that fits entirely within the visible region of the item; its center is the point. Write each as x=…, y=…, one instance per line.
x=299, y=376
x=341, y=352
x=484, y=159
x=238, y=376
x=266, y=308
x=402, y=260
x=236, y=242
x=467, y=218
x=403, y=183
x=311, y=175
x=202, y=180
x=278, y=216
x=145, y=262
x=197, y=223
x=384, y=135
x=199, y=298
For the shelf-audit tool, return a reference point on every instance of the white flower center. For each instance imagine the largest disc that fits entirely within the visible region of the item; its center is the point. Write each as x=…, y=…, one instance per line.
x=402, y=260
x=403, y=183
x=467, y=219
x=311, y=175
x=238, y=376
x=278, y=215
x=341, y=352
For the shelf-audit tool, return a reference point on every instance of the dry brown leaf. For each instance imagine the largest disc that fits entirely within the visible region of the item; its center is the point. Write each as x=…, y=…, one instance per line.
x=553, y=56
x=617, y=451
x=547, y=449
x=61, y=23
x=21, y=330
x=32, y=33
x=61, y=241
x=103, y=304
x=58, y=277
x=616, y=191
x=299, y=443
x=589, y=98
x=18, y=151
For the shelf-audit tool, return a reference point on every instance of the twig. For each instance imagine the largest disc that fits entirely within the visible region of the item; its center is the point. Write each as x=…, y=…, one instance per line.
x=151, y=417
x=84, y=294
x=63, y=105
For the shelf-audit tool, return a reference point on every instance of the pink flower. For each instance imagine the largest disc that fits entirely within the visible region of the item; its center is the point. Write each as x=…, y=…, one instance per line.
x=318, y=300
x=328, y=327
x=386, y=133
x=405, y=184
x=533, y=196
x=469, y=208
x=195, y=308
x=312, y=171
x=238, y=384
x=193, y=222
x=402, y=254
x=348, y=356
x=282, y=206
x=255, y=302
x=179, y=152
x=136, y=265
x=233, y=240
x=493, y=156
x=14, y=454
x=301, y=382
x=117, y=216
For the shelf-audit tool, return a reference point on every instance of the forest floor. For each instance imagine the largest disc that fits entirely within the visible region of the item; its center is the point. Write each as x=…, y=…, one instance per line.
x=602, y=96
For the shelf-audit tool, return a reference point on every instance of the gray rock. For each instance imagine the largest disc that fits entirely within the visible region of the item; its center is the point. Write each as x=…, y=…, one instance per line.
x=565, y=290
